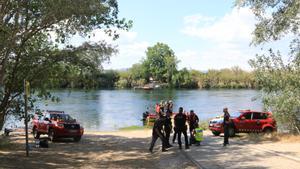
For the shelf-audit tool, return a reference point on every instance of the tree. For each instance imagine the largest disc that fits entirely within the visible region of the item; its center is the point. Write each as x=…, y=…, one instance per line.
x=183, y=79
x=161, y=62
x=27, y=52
x=278, y=80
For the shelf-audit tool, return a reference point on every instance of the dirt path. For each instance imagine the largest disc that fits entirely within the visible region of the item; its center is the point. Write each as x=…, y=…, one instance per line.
x=243, y=154
x=124, y=149
x=129, y=149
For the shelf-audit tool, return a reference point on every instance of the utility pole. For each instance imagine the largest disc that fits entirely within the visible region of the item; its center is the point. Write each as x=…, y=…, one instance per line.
x=26, y=93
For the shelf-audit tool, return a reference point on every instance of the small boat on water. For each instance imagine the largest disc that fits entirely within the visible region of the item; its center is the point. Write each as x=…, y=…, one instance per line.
x=147, y=88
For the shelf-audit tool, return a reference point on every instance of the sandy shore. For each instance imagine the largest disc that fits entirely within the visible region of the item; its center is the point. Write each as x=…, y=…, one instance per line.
x=129, y=149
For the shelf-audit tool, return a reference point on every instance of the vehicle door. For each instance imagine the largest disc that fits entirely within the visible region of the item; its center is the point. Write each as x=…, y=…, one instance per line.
x=39, y=123
x=260, y=119
x=45, y=123
x=243, y=122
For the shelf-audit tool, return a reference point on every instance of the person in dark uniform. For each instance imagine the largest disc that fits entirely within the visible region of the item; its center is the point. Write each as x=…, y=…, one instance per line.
x=157, y=133
x=168, y=127
x=226, y=124
x=175, y=134
x=193, y=121
x=180, y=123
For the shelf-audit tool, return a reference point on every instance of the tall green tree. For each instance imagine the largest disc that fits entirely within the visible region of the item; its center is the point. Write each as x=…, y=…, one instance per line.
x=278, y=80
x=183, y=79
x=27, y=52
x=161, y=62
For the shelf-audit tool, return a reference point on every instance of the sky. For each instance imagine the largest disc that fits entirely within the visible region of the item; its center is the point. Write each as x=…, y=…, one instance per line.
x=204, y=34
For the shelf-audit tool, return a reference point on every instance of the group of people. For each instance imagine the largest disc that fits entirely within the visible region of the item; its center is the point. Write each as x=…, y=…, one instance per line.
x=162, y=127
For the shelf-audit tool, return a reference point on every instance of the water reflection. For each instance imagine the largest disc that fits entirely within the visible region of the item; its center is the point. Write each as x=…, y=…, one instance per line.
x=113, y=109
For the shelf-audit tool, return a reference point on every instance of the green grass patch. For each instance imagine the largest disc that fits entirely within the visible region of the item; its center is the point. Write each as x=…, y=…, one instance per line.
x=135, y=128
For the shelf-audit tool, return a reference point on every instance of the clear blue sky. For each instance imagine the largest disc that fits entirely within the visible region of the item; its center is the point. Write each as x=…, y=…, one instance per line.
x=204, y=34
x=161, y=20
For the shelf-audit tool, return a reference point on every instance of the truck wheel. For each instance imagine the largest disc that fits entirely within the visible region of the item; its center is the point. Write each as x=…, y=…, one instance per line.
x=215, y=133
x=35, y=133
x=51, y=135
x=77, y=139
x=231, y=132
x=268, y=130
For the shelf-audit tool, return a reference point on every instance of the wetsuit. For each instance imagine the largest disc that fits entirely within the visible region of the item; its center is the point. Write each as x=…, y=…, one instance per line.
x=157, y=133
x=180, y=120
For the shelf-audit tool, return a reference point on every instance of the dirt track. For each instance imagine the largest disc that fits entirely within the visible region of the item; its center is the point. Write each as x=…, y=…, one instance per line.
x=127, y=149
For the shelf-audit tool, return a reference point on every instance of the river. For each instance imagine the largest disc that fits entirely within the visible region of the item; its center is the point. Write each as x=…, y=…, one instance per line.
x=107, y=110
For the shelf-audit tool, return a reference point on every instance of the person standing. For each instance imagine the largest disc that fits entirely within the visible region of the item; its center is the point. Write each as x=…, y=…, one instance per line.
x=180, y=123
x=193, y=121
x=157, y=108
x=168, y=128
x=226, y=125
x=157, y=133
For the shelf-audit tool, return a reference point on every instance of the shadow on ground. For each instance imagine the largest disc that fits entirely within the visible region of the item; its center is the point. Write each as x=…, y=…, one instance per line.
x=93, y=151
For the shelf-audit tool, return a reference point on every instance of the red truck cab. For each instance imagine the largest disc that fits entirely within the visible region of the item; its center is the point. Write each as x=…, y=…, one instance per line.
x=56, y=124
x=245, y=121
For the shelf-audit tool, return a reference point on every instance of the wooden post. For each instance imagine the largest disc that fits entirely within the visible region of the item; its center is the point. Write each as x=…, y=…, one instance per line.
x=26, y=90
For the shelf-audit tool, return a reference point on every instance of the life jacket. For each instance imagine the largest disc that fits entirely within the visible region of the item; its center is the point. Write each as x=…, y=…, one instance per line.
x=199, y=134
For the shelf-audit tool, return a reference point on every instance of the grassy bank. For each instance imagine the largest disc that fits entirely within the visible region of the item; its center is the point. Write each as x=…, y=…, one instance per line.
x=273, y=137
x=129, y=128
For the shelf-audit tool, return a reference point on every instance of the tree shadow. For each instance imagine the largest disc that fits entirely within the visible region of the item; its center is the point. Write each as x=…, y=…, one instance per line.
x=93, y=151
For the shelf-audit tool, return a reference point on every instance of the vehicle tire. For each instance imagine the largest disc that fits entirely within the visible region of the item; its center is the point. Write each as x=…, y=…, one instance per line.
x=231, y=132
x=77, y=139
x=35, y=133
x=268, y=130
x=51, y=135
x=216, y=133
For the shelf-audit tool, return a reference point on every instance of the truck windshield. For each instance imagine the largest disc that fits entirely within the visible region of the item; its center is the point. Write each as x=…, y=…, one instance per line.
x=63, y=117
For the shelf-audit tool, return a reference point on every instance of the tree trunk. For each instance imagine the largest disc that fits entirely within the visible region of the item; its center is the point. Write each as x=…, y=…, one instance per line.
x=1, y=75
x=2, y=116
x=3, y=109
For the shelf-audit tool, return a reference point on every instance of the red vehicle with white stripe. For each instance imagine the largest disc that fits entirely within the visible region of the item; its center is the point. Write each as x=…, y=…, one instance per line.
x=56, y=124
x=245, y=121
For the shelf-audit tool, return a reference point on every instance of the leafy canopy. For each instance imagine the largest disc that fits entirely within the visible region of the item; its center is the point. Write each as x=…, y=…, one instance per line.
x=27, y=51
x=278, y=80
x=161, y=62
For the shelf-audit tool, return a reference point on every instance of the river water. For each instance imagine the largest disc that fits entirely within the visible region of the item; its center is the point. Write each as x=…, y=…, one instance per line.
x=106, y=110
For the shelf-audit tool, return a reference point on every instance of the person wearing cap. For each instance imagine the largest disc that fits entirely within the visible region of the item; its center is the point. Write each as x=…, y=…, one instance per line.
x=180, y=123
x=226, y=125
x=157, y=133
